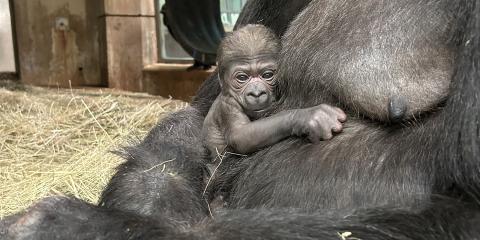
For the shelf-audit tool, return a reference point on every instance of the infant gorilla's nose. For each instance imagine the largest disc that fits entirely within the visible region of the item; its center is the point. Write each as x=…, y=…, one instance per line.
x=257, y=97
x=257, y=94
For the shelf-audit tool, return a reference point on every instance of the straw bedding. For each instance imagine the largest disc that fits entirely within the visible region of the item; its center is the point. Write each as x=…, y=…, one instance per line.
x=56, y=141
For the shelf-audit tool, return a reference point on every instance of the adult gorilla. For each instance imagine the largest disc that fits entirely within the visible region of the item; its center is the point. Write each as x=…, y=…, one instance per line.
x=373, y=181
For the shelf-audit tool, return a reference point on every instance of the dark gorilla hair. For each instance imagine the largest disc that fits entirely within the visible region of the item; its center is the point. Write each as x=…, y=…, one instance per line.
x=374, y=181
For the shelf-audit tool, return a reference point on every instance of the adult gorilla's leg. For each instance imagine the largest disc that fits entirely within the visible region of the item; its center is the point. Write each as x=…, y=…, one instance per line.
x=441, y=219
x=63, y=218
x=164, y=174
x=67, y=218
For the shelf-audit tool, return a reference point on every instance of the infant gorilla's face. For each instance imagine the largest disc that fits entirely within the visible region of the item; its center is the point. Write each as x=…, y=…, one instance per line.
x=251, y=82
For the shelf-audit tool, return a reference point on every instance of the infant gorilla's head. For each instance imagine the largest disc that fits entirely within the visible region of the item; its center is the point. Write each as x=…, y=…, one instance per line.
x=247, y=61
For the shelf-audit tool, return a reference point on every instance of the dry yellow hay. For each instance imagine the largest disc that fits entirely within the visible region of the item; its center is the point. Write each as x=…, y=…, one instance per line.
x=58, y=141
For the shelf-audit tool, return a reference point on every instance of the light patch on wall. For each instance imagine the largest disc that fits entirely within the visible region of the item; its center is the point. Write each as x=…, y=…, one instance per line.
x=63, y=64
x=7, y=55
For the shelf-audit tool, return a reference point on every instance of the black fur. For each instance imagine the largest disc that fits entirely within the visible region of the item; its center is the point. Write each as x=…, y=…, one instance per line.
x=69, y=218
x=164, y=175
x=418, y=180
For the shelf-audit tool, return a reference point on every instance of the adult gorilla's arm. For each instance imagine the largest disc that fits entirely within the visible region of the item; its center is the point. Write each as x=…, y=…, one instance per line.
x=164, y=174
x=458, y=137
x=63, y=218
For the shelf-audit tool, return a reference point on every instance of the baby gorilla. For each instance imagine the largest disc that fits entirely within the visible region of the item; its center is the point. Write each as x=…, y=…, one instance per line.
x=247, y=63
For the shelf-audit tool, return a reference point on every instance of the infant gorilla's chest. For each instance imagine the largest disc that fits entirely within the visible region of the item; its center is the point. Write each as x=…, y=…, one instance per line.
x=214, y=137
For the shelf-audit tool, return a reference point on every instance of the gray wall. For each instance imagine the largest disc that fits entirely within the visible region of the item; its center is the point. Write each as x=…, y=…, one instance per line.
x=7, y=56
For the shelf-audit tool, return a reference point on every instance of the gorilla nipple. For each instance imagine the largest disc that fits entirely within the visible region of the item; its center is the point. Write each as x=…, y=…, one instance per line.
x=397, y=108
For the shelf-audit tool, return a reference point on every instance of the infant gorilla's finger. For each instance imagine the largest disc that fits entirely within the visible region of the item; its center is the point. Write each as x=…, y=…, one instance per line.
x=342, y=117
x=338, y=127
x=332, y=112
x=327, y=134
x=314, y=131
x=337, y=112
x=328, y=117
x=325, y=128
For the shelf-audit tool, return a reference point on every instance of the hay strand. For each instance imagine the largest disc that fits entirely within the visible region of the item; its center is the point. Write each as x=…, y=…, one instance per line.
x=56, y=141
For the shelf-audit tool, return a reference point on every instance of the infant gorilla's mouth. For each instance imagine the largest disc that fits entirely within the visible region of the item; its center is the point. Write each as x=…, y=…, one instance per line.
x=256, y=113
x=259, y=108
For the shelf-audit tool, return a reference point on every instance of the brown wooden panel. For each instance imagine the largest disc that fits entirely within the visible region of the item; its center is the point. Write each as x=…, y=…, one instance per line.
x=149, y=40
x=173, y=80
x=129, y=7
x=124, y=53
x=57, y=57
x=131, y=44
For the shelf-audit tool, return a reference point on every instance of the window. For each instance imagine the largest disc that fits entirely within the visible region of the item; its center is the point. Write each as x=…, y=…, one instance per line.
x=169, y=48
x=171, y=51
x=7, y=52
x=230, y=10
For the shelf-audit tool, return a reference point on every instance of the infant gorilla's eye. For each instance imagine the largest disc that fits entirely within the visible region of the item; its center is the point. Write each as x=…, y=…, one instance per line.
x=267, y=75
x=242, y=77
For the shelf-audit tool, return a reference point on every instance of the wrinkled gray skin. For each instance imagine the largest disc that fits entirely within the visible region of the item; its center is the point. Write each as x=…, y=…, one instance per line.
x=248, y=79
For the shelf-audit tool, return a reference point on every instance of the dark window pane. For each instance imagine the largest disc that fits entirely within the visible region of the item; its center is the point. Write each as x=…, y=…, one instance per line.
x=169, y=48
x=230, y=10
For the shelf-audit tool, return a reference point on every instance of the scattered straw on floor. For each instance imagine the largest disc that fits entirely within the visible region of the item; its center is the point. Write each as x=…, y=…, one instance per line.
x=58, y=141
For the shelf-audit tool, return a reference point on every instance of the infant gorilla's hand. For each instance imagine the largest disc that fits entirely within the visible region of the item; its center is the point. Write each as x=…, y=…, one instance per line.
x=318, y=122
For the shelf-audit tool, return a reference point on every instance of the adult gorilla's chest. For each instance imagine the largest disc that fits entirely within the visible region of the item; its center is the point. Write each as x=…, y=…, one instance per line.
x=376, y=58
x=363, y=166
x=358, y=55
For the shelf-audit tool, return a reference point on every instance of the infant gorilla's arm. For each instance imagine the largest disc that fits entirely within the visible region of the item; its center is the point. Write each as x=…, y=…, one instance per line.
x=246, y=136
